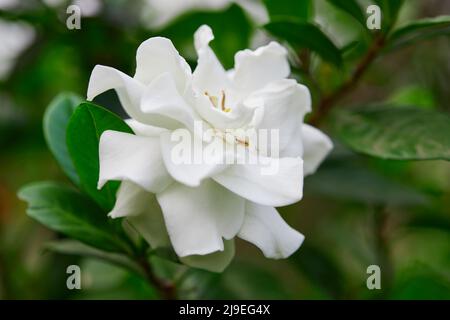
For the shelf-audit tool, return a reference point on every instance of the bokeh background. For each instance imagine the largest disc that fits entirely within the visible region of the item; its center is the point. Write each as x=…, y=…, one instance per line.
x=357, y=210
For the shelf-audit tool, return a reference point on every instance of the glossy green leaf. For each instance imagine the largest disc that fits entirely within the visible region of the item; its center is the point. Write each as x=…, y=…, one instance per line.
x=292, y=10
x=389, y=10
x=396, y=133
x=419, y=30
x=352, y=8
x=306, y=35
x=65, y=210
x=56, y=118
x=86, y=126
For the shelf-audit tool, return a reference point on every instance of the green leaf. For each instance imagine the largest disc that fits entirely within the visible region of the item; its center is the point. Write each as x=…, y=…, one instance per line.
x=396, y=133
x=352, y=8
x=65, y=210
x=83, y=134
x=418, y=30
x=378, y=189
x=389, y=11
x=55, y=122
x=320, y=268
x=292, y=10
x=306, y=35
x=231, y=28
x=73, y=247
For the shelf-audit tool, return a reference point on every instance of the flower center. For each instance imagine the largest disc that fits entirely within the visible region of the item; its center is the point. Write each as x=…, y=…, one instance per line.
x=218, y=101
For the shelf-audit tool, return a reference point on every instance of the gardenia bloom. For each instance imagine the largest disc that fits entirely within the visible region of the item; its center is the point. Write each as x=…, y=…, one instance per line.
x=201, y=208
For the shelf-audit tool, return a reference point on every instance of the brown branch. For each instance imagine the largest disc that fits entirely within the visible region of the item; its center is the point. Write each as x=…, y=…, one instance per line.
x=166, y=289
x=328, y=102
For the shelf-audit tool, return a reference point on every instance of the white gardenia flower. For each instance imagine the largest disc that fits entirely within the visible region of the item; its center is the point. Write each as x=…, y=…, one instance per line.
x=199, y=209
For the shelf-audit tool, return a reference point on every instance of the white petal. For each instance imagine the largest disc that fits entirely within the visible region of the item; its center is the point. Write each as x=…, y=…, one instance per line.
x=215, y=262
x=209, y=75
x=128, y=89
x=143, y=212
x=198, y=218
x=145, y=130
x=162, y=101
x=316, y=146
x=271, y=181
x=156, y=56
x=264, y=227
x=124, y=156
x=189, y=172
x=285, y=103
x=254, y=69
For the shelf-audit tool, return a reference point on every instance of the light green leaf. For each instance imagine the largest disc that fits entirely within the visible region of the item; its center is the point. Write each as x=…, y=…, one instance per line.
x=306, y=35
x=418, y=30
x=292, y=10
x=55, y=122
x=396, y=133
x=83, y=135
x=74, y=247
x=65, y=210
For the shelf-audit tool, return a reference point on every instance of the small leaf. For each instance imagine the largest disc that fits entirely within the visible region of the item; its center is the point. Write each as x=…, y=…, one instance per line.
x=396, y=133
x=418, y=30
x=65, y=210
x=83, y=135
x=55, y=122
x=74, y=247
x=297, y=10
x=352, y=8
x=389, y=10
x=306, y=35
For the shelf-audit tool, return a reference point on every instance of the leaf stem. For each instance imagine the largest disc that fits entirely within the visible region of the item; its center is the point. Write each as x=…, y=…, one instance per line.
x=167, y=290
x=328, y=102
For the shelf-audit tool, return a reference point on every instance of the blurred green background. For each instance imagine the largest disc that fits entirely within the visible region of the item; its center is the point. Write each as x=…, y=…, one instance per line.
x=357, y=210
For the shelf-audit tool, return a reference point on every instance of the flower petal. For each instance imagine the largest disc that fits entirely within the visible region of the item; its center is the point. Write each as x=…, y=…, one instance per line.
x=128, y=89
x=215, y=262
x=162, y=100
x=198, y=218
x=158, y=55
x=285, y=103
x=265, y=228
x=143, y=212
x=254, y=69
x=209, y=75
x=145, y=130
x=124, y=156
x=187, y=170
x=316, y=146
x=272, y=181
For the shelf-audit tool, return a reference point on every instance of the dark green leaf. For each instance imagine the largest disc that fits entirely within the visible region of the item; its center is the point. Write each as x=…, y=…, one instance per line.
x=319, y=268
x=396, y=133
x=83, y=134
x=65, y=210
x=74, y=247
x=389, y=11
x=306, y=35
x=418, y=30
x=351, y=7
x=231, y=28
x=377, y=189
x=293, y=10
x=56, y=118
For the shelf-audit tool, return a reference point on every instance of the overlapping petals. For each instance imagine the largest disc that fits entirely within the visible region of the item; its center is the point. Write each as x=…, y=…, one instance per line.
x=199, y=208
